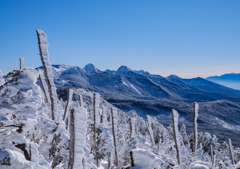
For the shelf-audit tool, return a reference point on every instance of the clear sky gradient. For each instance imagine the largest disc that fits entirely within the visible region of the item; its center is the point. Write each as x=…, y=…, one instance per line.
x=188, y=38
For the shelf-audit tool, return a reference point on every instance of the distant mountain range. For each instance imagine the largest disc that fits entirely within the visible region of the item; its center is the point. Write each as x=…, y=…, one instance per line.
x=231, y=80
x=155, y=95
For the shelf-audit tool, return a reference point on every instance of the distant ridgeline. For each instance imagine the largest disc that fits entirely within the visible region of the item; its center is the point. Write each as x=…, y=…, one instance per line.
x=39, y=130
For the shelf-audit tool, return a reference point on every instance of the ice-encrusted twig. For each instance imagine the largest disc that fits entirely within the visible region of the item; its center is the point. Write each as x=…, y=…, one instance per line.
x=230, y=150
x=132, y=127
x=44, y=85
x=195, y=109
x=69, y=103
x=96, y=120
x=22, y=66
x=2, y=81
x=149, y=128
x=43, y=49
x=114, y=129
x=212, y=157
x=72, y=140
x=176, y=136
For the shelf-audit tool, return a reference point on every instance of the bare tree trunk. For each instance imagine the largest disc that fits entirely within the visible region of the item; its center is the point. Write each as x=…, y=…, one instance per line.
x=67, y=123
x=195, y=110
x=72, y=140
x=230, y=150
x=94, y=126
x=175, y=127
x=46, y=76
x=44, y=90
x=80, y=100
x=109, y=160
x=114, y=139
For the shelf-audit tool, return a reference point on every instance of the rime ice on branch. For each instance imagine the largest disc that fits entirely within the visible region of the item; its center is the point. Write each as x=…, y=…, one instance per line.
x=176, y=136
x=69, y=103
x=230, y=150
x=44, y=86
x=43, y=49
x=114, y=132
x=132, y=127
x=195, y=109
x=78, y=132
x=2, y=81
x=149, y=127
x=22, y=66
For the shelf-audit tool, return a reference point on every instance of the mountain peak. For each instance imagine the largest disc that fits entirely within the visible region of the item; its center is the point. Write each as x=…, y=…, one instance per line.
x=173, y=77
x=123, y=69
x=91, y=68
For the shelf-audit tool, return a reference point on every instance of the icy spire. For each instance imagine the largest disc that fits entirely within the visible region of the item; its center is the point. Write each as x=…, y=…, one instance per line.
x=149, y=127
x=230, y=150
x=195, y=108
x=176, y=135
x=69, y=103
x=43, y=49
x=44, y=86
x=22, y=66
x=2, y=81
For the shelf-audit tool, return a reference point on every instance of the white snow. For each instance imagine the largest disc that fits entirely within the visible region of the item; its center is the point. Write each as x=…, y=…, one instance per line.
x=143, y=159
x=135, y=88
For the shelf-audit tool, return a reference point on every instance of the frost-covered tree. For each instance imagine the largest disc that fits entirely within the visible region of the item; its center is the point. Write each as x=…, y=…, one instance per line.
x=175, y=131
x=2, y=81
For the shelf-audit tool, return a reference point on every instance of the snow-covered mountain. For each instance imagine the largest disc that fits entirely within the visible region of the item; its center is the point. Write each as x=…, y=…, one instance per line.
x=146, y=94
x=231, y=80
x=91, y=68
x=73, y=128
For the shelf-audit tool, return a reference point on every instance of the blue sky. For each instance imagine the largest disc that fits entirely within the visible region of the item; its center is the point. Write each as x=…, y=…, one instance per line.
x=187, y=38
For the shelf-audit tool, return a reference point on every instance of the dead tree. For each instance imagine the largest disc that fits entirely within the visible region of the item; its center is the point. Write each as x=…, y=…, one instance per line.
x=94, y=125
x=80, y=100
x=230, y=150
x=130, y=128
x=42, y=83
x=149, y=129
x=175, y=131
x=113, y=113
x=69, y=99
x=45, y=62
x=195, y=109
x=22, y=66
x=109, y=160
x=72, y=140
